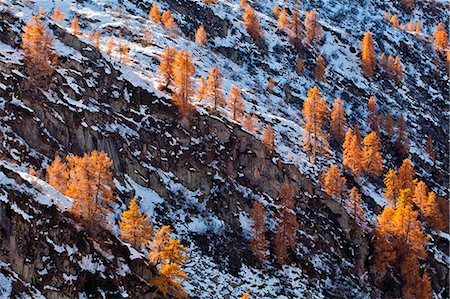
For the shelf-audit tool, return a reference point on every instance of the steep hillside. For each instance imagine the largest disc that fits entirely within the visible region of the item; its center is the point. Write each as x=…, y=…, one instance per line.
x=202, y=174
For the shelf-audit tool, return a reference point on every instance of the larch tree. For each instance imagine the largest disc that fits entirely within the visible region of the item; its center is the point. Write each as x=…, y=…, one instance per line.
x=383, y=61
x=252, y=24
x=268, y=138
x=110, y=46
x=39, y=54
x=235, y=103
x=246, y=295
x=373, y=117
x=429, y=148
x=258, y=241
x=358, y=134
x=418, y=27
x=296, y=31
x=394, y=21
x=58, y=175
x=299, y=65
x=334, y=183
x=249, y=124
x=200, y=37
x=276, y=10
x=58, y=15
x=283, y=21
x=168, y=21
x=314, y=31
x=352, y=157
x=135, y=227
x=214, y=88
x=97, y=39
x=270, y=85
x=319, y=69
x=166, y=67
x=371, y=156
x=154, y=14
x=91, y=185
x=402, y=141
x=201, y=92
x=420, y=195
x=391, y=67
x=411, y=26
x=405, y=178
x=338, y=125
x=75, y=26
x=440, y=37
x=368, y=58
x=184, y=70
x=315, y=113
x=432, y=212
x=287, y=225
x=356, y=210
x=389, y=126
x=391, y=192
x=169, y=255
x=386, y=16
x=398, y=68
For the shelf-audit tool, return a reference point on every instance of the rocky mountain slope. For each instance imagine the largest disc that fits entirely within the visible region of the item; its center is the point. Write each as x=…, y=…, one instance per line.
x=201, y=175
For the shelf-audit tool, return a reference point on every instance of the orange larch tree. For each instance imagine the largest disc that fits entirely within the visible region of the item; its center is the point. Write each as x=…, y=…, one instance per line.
x=166, y=66
x=338, y=125
x=258, y=241
x=319, y=69
x=352, y=158
x=314, y=31
x=368, y=58
x=420, y=195
x=429, y=148
x=394, y=21
x=268, y=138
x=200, y=37
x=411, y=26
x=389, y=126
x=418, y=27
x=276, y=10
x=154, y=14
x=58, y=15
x=214, y=87
x=135, y=227
x=184, y=70
x=39, y=54
x=299, y=65
x=296, y=31
x=201, y=91
x=440, y=37
x=235, y=103
x=402, y=141
x=371, y=156
x=252, y=23
x=75, y=26
x=283, y=21
x=169, y=22
x=110, y=46
x=334, y=183
x=391, y=192
x=398, y=69
x=373, y=117
x=405, y=178
x=315, y=113
x=432, y=212
x=58, y=175
x=248, y=124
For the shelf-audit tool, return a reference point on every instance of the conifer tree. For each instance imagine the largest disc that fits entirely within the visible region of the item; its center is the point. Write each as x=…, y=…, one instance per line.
x=124, y=53
x=440, y=37
x=258, y=242
x=136, y=228
x=358, y=134
x=184, y=70
x=371, y=157
x=246, y=295
x=411, y=26
x=154, y=14
x=368, y=59
x=314, y=31
x=110, y=46
x=338, y=126
x=319, y=69
x=75, y=27
x=402, y=141
x=214, y=88
x=429, y=148
x=315, y=112
x=201, y=92
x=249, y=124
x=432, y=213
x=276, y=10
x=356, y=211
x=252, y=24
x=391, y=192
x=270, y=85
x=283, y=21
x=168, y=254
x=383, y=62
x=268, y=138
x=334, y=183
x=372, y=115
x=391, y=67
x=406, y=175
x=235, y=104
x=398, y=70
x=97, y=39
x=389, y=125
x=91, y=185
x=57, y=175
x=38, y=51
x=287, y=224
x=166, y=66
x=394, y=21
x=168, y=21
x=420, y=195
x=296, y=31
x=386, y=16
x=58, y=15
x=418, y=27
x=352, y=158
x=200, y=37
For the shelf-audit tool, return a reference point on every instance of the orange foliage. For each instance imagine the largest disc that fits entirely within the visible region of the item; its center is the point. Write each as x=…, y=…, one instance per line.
x=368, y=59
x=352, y=158
x=371, y=156
x=214, y=87
x=166, y=66
x=252, y=23
x=258, y=242
x=184, y=70
x=154, y=14
x=334, y=183
x=235, y=104
x=338, y=125
x=200, y=36
x=314, y=31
